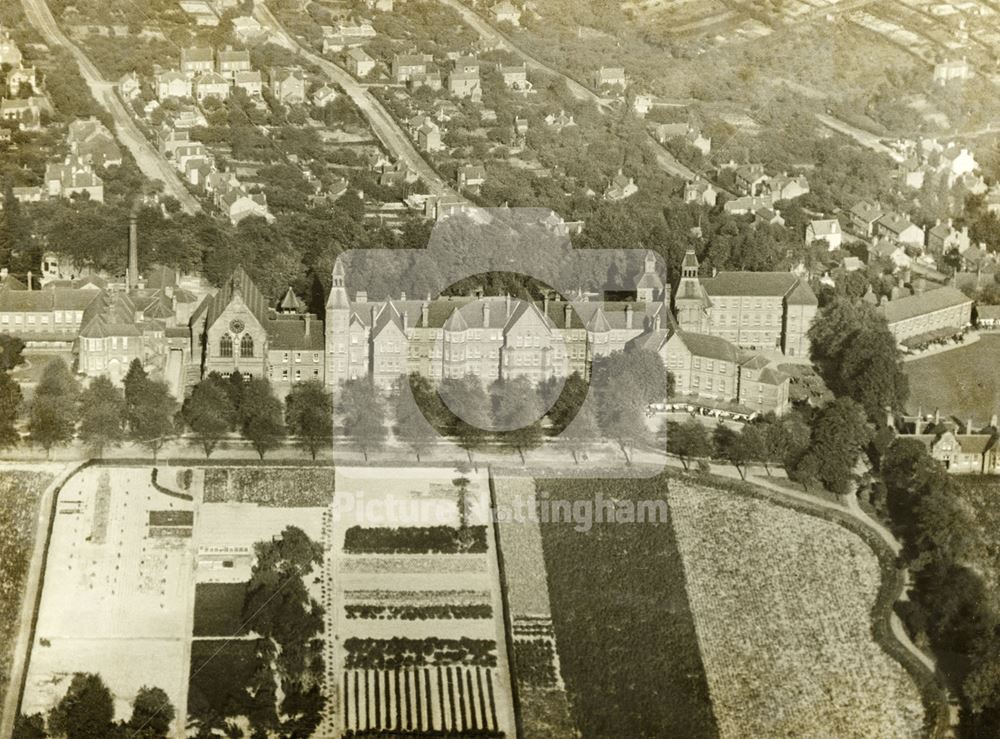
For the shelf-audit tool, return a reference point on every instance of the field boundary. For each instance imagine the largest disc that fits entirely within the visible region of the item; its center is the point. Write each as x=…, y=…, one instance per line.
x=24, y=646
x=930, y=684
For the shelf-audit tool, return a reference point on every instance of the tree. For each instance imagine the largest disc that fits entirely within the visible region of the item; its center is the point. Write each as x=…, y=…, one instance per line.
x=135, y=379
x=209, y=411
x=152, y=713
x=688, y=440
x=152, y=414
x=53, y=413
x=309, y=413
x=857, y=357
x=86, y=711
x=517, y=414
x=102, y=415
x=29, y=727
x=735, y=448
x=468, y=405
x=11, y=352
x=10, y=408
x=363, y=414
x=839, y=433
x=563, y=398
x=582, y=431
x=261, y=417
x=412, y=427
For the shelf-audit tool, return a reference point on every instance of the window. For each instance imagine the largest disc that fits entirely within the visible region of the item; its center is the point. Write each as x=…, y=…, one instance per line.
x=226, y=346
x=246, y=346
x=284, y=356
x=298, y=356
x=315, y=357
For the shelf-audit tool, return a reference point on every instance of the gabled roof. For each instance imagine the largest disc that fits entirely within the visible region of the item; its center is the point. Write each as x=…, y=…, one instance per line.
x=38, y=301
x=239, y=283
x=825, y=227
x=710, y=347
x=750, y=283
x=928, y=302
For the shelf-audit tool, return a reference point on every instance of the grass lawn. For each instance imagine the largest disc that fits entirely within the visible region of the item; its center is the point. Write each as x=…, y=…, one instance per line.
x=19, y=493
x=221, y=673
x=218, y=607
x=962, y=382
x=623, y=625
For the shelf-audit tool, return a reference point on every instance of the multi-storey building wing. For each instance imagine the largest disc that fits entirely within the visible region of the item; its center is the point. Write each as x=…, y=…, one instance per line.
x=763, y=311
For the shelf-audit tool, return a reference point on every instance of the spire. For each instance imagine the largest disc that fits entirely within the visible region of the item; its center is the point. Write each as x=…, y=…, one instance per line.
x=338, y=292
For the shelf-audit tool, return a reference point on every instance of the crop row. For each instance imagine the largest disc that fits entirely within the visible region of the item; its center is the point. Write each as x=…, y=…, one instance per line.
x=285, y=487
x=399, y=652
x=415, y=540
x=416, y=613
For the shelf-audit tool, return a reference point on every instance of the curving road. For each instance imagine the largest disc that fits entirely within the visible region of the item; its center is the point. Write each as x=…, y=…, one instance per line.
x=149, y=161
x=384, y=125
x=667, y=161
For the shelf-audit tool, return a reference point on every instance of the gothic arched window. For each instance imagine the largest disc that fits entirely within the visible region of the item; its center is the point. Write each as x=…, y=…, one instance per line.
x=226, y=346
x=246, y=346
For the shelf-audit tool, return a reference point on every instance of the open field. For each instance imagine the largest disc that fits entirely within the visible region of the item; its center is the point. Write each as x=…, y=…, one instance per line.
x=962, y=382
x=115, y=599
x=19, y=496
x=782, y=606
x=625, y=633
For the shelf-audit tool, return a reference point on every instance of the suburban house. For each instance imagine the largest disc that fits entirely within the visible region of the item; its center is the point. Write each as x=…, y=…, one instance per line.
x=944, y=237
x=506, y=12
x=463, y=84
x=238, y=204
x=827, y=230
x=750, y=179
x=359, y=63
x=899, y=228
x=93, y=143
x=288, y=85
x=700, y=191
x=10, y=55
x=748, y=204
x=250, y=82
x=863, y=217
x=407, y=66
x=471, y=176
x=610, y=77
x=762, y=311
x=232, y=61
x=196, y=61
x=247, y=29
x=939, y=311
x=783, y=187
x=324, y=95
x=515, y=76
x=73, y=177
x=956, y=162
x=20, y=78
x=560, y=120
x=621, y=187
x=950, y=70
x=429, y=136
x=210, y=84
x=172, y=84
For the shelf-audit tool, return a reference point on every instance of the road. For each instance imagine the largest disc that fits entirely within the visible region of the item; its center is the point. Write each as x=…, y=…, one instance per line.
x=383, y=124
x=473, y=20
x=865, y=138
x=148, y=159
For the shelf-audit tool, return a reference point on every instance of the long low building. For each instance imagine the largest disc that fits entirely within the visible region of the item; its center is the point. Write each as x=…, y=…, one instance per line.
x=940, y=310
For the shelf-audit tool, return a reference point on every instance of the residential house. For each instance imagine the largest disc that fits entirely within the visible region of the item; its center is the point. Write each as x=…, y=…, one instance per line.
x=784, y=187
x=747, y=204
x=750, y=179
x=429, y=136
x=26, y=112
x=471, y=176
x=250, y=82
x=952, y=70
x=210, y=84
x=515, y=77
x=73, y=177
x=169, y=139
x=700, y=191
x=238, y=204
x=196, y=61
x=863, y=217
x=621, y=187
x=431, y=80
x=21, y=78
x=465, y=85
x=172, y=84
x=610, y=77
x=247, y=29
x=288, y=85
x=957, y=161
x=768, y=217
x=899, y=228
x=324, y=95
x=942, y=310
x=359, y=63
x=90, y=141
x=231, y=61
x=827, y=230
x=407, y=66
x=944, y=237
x=130, y=86
x=467, y=64
x=10, y=55
x=506, y=12
x=559, y=121
x=892, y=251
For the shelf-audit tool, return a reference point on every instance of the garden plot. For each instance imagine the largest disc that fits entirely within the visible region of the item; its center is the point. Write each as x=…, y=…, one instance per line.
x=117, y=592
x=782, y=606
x=415, y=602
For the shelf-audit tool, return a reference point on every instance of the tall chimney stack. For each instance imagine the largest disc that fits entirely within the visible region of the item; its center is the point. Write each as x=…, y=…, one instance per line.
x=133, y=252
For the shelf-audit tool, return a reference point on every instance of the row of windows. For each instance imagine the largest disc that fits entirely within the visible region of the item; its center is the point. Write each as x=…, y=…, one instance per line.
x=286, y=357
x=95, y=345
x=709, y=365
x=32, y=319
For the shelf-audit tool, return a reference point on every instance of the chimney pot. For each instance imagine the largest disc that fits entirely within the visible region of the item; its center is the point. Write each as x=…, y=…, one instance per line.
x=308, y=318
